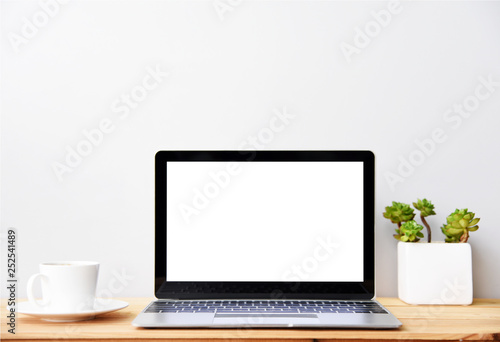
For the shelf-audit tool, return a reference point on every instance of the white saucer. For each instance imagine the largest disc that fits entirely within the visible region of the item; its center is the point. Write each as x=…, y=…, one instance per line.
x=102, y=306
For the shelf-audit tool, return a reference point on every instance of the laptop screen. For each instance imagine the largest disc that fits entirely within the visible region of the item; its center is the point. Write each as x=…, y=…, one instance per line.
x=264, y=221
x=254, y=222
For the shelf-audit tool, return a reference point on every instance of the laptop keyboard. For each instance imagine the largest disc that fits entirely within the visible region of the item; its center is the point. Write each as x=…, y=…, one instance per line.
x=271, y=306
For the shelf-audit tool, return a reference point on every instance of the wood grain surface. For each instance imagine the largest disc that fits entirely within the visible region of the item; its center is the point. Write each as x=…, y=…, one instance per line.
x=479, y=321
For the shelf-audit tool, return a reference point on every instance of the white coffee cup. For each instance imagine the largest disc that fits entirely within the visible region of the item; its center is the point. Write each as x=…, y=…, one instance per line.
x=67, y=286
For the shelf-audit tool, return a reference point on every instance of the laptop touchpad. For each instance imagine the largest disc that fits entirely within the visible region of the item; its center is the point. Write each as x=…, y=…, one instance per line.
x=276, y=319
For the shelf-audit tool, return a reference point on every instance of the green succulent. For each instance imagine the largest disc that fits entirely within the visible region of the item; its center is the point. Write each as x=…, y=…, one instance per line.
x=409, y=232
x=459, y=224
x=449, y=237
x=399, y=213
x=425, y=207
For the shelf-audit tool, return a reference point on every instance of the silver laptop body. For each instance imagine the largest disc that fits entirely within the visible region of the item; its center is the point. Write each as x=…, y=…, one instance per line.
x=264, y=239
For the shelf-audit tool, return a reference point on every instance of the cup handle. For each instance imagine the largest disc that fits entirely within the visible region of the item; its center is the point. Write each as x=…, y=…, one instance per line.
x=31, y=293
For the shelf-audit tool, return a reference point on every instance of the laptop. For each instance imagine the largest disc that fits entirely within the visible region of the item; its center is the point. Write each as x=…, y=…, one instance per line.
x=264, y=239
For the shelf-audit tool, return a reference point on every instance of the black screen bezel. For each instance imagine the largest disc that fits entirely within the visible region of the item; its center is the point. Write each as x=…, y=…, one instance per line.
x=265, y=290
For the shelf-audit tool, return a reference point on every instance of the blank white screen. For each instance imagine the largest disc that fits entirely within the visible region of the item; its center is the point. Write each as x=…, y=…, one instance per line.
x=264, y=221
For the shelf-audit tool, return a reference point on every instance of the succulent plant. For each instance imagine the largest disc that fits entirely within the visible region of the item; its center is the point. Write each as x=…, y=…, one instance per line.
x=426, y=208
x=409, y=232
x=399, y=213
x=459, y=224
x=449, y=237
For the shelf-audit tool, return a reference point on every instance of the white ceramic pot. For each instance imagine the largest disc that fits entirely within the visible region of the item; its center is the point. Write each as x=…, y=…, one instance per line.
x=435, y=273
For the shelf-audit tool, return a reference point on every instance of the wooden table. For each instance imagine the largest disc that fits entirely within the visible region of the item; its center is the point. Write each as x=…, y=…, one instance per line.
x=479, y=321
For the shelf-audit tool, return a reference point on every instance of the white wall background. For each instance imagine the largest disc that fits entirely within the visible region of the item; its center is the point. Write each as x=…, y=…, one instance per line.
x=63, y=72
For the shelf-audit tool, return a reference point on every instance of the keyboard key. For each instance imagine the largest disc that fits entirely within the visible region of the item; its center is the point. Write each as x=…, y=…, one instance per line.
x=207, y=309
